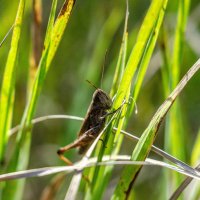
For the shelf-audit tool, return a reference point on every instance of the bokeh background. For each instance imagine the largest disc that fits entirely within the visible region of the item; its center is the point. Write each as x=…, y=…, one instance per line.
x=94, y=28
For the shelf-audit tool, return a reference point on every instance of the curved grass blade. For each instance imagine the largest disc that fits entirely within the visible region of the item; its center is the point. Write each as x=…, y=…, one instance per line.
x=107, y=160
x=146, y=140
x=128, y=135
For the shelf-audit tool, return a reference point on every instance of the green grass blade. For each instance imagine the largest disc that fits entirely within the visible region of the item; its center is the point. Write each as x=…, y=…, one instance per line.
x=133, y=62
x=146, y=140
x=45, y=61
x=146, y=59
x=94, y=173
x=138, y=50
x=58, y=29
x=21, y=156
x=7, y=90
x=94, y=64
x=121, y=62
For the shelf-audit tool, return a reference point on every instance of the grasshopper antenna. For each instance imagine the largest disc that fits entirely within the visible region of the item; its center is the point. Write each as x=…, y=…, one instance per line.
x=92, y=84
x=7, y=34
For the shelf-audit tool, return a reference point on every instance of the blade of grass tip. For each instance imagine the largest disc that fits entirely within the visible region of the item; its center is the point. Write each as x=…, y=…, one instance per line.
x=21, y=156
x=146, y=140
x=174, y=123
x=7, y=89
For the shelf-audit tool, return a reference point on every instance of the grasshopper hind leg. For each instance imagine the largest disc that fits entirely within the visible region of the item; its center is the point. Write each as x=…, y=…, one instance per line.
x=62, y=150
x=83, y=142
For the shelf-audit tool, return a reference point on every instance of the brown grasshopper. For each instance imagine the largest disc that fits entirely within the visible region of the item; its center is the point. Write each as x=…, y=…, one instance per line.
x=92, y=125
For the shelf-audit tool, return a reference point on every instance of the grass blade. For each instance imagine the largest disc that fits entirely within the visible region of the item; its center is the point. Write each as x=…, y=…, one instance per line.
x=146, y=140
x=134, y=60
x=128, y=135
x=107, y=160
x=7, y=90
x=21, y=156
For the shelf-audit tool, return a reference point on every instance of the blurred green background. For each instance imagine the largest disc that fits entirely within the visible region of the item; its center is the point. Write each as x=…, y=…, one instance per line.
x=94, y=28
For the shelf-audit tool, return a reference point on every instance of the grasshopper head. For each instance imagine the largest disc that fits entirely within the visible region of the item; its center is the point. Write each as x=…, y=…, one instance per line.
x=102, y=99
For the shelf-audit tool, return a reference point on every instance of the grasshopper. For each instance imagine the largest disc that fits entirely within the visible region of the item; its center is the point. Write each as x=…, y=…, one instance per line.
x=92, y=125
